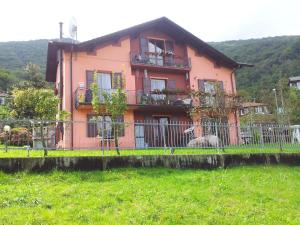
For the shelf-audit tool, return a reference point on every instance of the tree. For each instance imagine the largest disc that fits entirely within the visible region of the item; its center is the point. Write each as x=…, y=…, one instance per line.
x=216, y=105
x=114, y=104
x=4, y=112
x=293, y=105
x=6, y=79
x=33, y=77
x=39, y=104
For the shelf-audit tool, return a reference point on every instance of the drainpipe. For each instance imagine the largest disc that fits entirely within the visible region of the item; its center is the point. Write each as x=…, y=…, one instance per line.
x=71, y=96
x=61, y=68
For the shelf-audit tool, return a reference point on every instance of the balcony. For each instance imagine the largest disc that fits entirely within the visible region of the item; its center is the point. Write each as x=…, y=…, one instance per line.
x=167, y=62
x=136, y=98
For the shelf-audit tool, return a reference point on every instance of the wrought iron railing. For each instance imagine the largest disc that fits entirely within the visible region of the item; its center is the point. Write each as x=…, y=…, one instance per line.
x=84, y=96
x=96, y=133
x=168, y=61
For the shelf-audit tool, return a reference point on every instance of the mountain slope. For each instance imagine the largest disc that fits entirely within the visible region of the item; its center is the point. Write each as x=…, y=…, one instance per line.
x=15, y=55
x=273, y=58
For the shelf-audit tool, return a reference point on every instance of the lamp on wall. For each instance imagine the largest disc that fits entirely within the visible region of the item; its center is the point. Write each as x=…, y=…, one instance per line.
x=145, y=73
x=187, y=76
x=81, y=85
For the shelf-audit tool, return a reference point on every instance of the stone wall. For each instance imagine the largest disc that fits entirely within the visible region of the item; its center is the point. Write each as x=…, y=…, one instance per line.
x=168, y=161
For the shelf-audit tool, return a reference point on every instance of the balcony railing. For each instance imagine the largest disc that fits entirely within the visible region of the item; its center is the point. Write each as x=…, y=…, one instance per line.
x=165, y=61
x=83, y=97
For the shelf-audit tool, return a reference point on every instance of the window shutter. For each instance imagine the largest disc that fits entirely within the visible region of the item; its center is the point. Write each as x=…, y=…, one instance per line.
x=171, y=84
x=147, y=85
x=201, y=89
x=144, y=46
x=91, y=127
x=221, y=86
x=169, y=46
x=117, y=81
x=120, y=120
x=169, y=53
x=89, y=78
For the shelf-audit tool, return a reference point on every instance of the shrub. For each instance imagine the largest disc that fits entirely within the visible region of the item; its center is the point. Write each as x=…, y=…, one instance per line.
x=19, y=136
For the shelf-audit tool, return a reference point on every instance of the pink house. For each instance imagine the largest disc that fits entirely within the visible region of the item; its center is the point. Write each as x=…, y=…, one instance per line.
x=151, y=57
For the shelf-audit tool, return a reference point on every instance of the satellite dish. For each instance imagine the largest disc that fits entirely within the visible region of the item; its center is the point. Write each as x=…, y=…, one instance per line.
x=73, y=28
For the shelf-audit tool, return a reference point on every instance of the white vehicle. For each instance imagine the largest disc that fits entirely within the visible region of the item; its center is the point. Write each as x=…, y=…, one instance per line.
x=296, y=134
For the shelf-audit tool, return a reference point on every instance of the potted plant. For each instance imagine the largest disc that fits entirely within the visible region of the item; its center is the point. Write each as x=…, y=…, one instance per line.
x=81, y=98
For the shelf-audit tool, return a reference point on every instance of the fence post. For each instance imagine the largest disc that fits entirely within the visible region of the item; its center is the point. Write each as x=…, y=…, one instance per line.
x=261, y=136
x=102, y=134
x=280, y=137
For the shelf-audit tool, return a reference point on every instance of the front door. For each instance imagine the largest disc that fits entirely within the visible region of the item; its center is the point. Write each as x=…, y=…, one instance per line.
x=139, y=132
x=161, y=131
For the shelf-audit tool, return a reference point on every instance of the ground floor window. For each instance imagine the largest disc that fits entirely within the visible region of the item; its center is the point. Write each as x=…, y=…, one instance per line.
x=103, y=126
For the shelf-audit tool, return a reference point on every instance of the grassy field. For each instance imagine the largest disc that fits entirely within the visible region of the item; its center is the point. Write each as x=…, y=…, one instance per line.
x=39, y=153
x=241, y=195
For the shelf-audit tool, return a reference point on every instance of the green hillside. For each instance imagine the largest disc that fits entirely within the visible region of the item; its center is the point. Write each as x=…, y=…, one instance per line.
x=273, y=58
x=16, y=54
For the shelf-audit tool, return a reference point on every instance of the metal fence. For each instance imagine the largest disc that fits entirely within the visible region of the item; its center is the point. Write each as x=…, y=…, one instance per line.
x=102, y=133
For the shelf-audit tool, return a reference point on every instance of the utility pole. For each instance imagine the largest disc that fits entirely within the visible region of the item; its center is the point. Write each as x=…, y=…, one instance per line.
x=277, y=110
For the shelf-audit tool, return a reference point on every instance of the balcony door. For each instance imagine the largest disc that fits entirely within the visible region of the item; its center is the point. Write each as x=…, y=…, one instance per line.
x=104, y=84
x=157, y=86
x=156, y=50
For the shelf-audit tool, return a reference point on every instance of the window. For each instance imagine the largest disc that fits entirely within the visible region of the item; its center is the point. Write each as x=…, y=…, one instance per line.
x=158, y=85
x=103, y=126
x=266, y=110
x=298, y=85
x=258, y=110
x=156, y=49
x=104, y=84
x=210, y=88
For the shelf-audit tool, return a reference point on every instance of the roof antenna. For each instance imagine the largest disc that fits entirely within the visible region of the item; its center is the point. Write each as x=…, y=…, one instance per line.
x=73, y=28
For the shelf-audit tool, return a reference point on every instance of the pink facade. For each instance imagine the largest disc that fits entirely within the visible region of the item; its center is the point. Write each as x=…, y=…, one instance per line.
x=114, y=55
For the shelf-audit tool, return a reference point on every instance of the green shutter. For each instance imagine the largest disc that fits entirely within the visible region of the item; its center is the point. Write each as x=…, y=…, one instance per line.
x=171, y=84
x=202, y=90
x=144, y=46
x=91, y=127
x=147, y=85
x=117, y=81
x=120, y=121
x=89, y=78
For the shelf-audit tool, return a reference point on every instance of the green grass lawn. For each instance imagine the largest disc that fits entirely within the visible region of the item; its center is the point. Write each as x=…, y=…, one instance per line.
x=40, y=153
x=240, y=195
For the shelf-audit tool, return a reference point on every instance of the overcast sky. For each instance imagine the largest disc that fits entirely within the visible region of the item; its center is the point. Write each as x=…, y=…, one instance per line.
x=210, y=20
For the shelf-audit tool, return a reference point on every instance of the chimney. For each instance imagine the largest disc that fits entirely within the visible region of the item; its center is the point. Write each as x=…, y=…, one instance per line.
x=60, y=30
